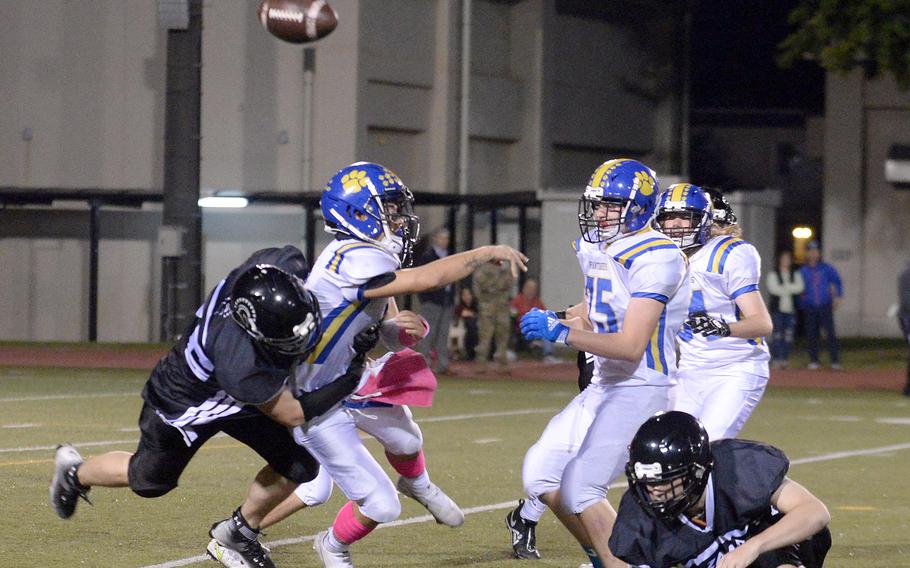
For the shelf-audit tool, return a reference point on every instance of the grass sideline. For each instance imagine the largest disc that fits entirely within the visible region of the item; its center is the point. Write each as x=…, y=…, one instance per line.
x=476, y=436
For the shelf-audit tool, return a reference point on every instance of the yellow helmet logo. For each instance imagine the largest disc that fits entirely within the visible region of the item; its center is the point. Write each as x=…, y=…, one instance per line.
x=644, y=183
x=354, y=181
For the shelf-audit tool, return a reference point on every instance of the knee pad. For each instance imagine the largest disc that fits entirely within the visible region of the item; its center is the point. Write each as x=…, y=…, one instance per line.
x=405, y=443
x=576, y=493
x=536, y=482
x=381, y=506
x=316, y=491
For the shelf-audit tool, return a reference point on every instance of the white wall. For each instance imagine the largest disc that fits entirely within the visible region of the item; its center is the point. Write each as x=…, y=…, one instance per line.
x=866, y=236
x=88, y=79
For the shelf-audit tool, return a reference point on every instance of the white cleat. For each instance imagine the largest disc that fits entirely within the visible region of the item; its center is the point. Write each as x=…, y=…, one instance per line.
x=65, y=490
x=225, y=556
x=440, y=505
x=331, y=559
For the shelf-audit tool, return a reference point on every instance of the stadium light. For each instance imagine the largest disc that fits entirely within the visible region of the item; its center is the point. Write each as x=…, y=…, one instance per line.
x=802, y=232
x=223, y=201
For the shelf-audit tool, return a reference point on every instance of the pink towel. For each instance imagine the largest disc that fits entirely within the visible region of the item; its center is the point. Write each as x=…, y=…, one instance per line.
x=404, y=379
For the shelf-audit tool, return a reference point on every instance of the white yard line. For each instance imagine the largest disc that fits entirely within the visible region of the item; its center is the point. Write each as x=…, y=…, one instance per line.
x=79, y=445
x=67, y=396
x=512, y=504
x=425, y=420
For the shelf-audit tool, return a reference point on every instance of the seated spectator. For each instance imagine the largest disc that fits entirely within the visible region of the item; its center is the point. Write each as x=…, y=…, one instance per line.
x=466, y=316
x=524, y=302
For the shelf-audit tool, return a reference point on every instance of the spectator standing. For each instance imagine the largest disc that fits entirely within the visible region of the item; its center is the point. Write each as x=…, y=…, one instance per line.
x=466, y=314
x=784, y=285
x=903, y=288
x=436, y=306
x=523, y=303
x=493, y=285
x=822, y=295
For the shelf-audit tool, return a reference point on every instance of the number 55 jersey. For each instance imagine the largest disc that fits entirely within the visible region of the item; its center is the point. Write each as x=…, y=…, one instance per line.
x=645, y=264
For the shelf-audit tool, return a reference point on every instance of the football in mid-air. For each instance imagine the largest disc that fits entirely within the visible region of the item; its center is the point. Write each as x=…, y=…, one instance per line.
x=298, y=21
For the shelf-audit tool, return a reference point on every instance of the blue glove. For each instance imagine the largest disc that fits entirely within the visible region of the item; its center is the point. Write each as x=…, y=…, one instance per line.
x=539, y=324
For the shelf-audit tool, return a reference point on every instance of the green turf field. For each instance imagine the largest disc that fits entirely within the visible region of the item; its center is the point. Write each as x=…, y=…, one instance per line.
x=476, y=436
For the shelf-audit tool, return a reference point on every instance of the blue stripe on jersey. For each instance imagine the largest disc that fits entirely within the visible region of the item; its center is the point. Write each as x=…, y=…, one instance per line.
x=365, y=404
x=333, y=328
x=744, y=290
x=720, y=244
x=334, y=263
x=654, y=351
x=720, y=253
x=638, y=244
x=659, y=297
x=626, y=257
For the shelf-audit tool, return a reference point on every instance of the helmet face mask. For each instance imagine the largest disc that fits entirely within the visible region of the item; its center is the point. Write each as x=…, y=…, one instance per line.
x=628, y=189
x=669, y=464
x=273, y=308
x=685, y=215
x=600, y=220
x=370, y=203
x=667, y=494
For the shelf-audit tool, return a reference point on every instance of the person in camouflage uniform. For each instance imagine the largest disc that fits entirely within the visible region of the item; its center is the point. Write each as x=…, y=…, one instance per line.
x=493, y=287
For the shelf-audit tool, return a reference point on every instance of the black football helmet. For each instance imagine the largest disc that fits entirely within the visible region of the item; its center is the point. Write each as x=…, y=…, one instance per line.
x=723, y=211
x=273, y=307
x=669, y=462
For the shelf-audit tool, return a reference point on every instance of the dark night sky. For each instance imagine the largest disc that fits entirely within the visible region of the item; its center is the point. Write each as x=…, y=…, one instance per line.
x=734, y=44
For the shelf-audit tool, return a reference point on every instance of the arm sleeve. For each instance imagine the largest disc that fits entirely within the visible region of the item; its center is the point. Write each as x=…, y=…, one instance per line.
x=742, y=272
x=657, y=274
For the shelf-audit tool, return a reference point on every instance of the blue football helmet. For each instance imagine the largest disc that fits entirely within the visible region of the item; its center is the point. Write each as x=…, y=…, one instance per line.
x=628, y=184
x=684, y=200
x=369, y=202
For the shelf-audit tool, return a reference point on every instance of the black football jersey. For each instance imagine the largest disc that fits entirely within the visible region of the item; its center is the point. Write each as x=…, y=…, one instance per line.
x=217, y=370
x=738, y=505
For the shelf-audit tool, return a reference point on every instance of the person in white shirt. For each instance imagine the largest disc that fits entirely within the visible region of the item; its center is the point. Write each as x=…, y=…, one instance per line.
x=784, y=285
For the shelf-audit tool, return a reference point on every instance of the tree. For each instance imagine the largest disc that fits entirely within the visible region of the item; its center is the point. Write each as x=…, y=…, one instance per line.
x=844, y=34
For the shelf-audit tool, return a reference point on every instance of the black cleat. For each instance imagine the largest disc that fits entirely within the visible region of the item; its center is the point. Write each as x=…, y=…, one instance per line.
x=524, y=542
x=65, y=489
x=231, y=546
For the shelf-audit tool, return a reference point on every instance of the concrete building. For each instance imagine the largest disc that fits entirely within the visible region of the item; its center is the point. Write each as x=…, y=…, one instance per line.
x=866, y=219
x=555, y=87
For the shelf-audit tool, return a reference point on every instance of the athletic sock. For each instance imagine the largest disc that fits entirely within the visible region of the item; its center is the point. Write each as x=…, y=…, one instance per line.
x=532, y=510
x=592, y=556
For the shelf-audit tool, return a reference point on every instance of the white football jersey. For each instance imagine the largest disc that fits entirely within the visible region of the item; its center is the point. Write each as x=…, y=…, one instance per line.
x=645, y=264
x=722, y=270
x=338, y=279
